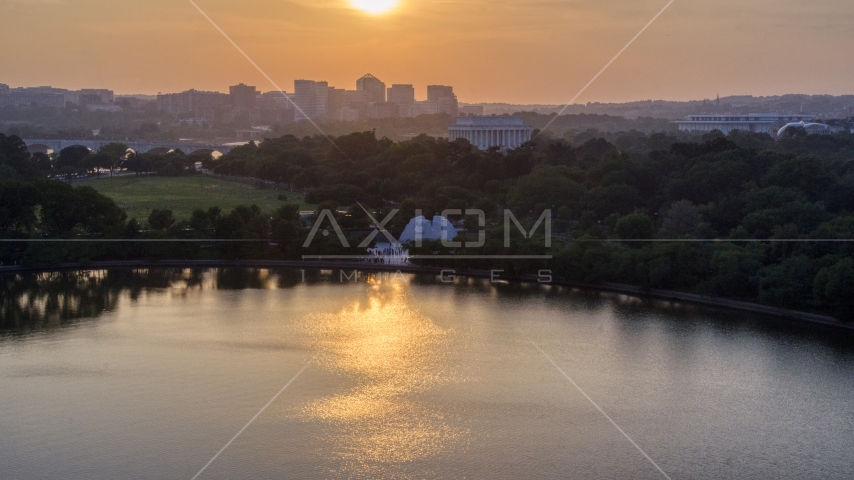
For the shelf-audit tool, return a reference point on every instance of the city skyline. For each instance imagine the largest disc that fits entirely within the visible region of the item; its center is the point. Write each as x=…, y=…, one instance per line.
x=516, y=52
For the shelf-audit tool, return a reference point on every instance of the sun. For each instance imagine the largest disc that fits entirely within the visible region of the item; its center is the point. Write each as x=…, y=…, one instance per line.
x=374, y=7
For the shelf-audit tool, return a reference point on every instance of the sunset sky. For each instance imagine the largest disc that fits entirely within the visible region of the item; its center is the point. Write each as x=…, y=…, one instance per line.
x=520, y=51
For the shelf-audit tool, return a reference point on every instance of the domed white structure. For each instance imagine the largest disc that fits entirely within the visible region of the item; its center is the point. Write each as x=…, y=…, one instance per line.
x=419, y=228
x=811, y=128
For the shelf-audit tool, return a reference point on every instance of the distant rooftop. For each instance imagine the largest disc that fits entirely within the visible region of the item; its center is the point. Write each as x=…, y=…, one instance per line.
x=501, y=121
x=749, y=117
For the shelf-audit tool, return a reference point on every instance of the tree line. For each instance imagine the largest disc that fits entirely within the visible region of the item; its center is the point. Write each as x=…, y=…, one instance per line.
x=740, y=216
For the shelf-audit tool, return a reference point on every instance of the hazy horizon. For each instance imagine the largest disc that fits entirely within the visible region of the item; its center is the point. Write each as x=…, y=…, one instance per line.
x=523, y=52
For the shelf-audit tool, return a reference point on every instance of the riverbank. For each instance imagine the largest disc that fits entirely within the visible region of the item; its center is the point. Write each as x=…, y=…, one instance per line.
x=668, y=295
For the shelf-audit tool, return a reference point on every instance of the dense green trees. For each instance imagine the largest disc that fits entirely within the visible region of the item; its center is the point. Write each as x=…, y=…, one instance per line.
x=161, y=219
x=16, y=161
x=66, y=210
x=171, y=164
x=18, y=203
x=70, y=160
x=113, y=155
x=744, y=187
x=634, y=226
x=771, y=205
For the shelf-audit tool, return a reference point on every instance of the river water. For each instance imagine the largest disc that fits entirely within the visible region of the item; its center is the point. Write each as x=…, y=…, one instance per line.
x=149, y=374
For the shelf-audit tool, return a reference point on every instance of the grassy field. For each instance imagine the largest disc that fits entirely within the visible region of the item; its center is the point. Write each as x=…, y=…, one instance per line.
x=139, y=195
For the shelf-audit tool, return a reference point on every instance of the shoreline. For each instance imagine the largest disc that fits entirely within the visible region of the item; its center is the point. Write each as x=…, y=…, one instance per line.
x=640, y=292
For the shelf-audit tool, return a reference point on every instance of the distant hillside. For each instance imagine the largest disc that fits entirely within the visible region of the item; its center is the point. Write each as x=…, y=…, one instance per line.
x=400, y=129
x=825, y=106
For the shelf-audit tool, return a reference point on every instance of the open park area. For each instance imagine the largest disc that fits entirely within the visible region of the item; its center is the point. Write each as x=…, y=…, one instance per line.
x=139, y=195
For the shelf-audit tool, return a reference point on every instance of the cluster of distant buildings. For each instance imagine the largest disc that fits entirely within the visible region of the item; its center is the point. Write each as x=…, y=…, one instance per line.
x=315, y=100
x=371, y=99
x=90, y=98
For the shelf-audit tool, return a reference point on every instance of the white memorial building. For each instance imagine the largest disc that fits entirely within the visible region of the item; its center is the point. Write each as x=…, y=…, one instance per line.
x=753, y=122
x=485, y=132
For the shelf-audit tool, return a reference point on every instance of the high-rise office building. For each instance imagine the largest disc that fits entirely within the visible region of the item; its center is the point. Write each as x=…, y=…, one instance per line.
x=273, y=107
x=243, y=96
x=434, y=92
x=34, y=97
x=334, y=103
x=419, y=108
x=46, y=96
x=275, y=100
x=199, y=104
x=355, y=105
x=304, y=97
x=312, y=98
x=355, y=97
x=321, y=100
x=373, y=86
x=383, y=110
x=443, y=96
x=401, y=94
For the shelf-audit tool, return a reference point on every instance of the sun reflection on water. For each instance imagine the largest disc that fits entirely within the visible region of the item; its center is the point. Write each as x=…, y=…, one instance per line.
x=393, y=354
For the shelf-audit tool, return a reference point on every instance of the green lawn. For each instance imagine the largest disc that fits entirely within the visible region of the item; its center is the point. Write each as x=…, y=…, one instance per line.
x=139, y=195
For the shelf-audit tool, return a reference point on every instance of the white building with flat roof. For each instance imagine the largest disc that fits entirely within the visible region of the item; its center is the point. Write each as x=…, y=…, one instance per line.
x=486, y=132
x=752, y=122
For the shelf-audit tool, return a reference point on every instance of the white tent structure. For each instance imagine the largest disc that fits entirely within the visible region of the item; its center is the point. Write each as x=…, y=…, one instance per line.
x=811, y=128
x=419, y=228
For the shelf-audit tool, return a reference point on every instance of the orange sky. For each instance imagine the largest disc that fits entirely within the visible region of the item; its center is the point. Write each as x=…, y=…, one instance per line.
x=521, y=51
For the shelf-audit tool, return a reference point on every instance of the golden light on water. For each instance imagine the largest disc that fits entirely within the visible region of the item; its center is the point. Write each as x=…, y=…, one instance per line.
x=392, y=355
x=374, y=7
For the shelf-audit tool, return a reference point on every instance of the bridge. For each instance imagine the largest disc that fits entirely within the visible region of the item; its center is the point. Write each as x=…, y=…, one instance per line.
x=42, y=145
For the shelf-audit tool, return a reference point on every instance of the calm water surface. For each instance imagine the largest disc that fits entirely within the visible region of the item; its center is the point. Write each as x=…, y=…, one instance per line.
x=148, y=374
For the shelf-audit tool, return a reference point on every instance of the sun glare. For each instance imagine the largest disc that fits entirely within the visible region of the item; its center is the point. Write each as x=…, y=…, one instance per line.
x=374, y=7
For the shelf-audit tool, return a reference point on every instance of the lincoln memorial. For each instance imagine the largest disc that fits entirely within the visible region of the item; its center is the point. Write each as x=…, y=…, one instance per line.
x=485, y=132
